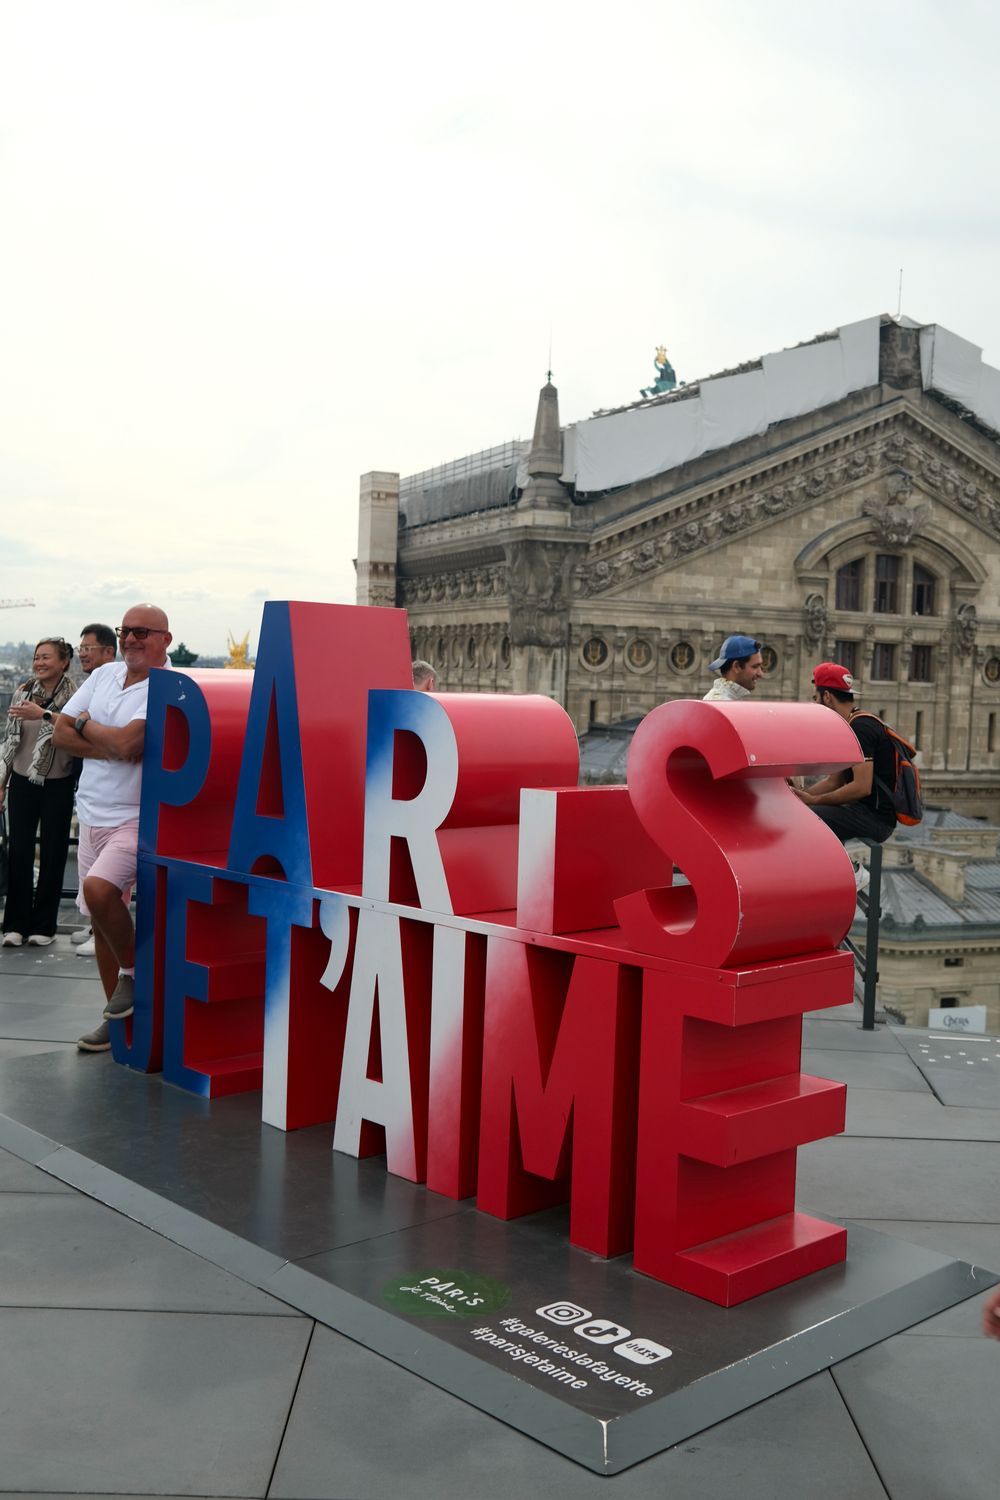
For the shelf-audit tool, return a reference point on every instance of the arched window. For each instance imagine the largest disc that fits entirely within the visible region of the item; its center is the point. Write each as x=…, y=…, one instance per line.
x=849, y=585
x=923, y=590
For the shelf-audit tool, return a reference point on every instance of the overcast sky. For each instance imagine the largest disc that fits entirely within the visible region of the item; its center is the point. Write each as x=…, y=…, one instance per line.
x=252, y=250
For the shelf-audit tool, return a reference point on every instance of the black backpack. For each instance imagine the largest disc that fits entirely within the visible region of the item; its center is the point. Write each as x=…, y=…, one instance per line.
x=906, y=798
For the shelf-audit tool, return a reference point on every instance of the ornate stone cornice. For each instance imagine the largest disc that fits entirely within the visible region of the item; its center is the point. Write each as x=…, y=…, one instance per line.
x=879, y=451
x=480, y=553
x=926, y=944
x=455, y=586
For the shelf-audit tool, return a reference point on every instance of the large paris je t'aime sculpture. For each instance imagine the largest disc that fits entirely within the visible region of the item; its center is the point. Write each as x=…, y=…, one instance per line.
x=399, y=913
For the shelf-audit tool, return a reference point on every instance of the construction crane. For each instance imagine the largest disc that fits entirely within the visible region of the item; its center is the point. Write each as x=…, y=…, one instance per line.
x=17, y=603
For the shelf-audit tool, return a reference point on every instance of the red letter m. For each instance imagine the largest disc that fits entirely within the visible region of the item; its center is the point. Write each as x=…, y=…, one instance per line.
x=560, y=1055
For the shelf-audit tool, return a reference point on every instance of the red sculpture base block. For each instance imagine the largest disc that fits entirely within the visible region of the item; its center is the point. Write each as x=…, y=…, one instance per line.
x=739, y=1266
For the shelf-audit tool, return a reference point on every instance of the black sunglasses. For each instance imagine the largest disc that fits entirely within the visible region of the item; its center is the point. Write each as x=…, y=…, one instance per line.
x=139, y=632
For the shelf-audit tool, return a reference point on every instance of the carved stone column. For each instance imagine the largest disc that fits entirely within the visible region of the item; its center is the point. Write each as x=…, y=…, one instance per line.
x=537, y=586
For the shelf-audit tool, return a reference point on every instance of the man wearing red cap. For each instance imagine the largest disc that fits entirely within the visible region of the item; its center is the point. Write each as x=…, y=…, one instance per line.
x=856, y=803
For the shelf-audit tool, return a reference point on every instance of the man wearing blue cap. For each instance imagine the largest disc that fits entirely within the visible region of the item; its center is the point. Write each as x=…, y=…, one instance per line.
x=740, y=667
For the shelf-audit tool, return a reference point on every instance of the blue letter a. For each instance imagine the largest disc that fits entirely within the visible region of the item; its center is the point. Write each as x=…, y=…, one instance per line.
x=269, y=823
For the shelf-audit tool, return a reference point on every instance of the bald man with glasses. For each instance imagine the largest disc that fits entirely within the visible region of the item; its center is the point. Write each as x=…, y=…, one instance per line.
x=105, y=724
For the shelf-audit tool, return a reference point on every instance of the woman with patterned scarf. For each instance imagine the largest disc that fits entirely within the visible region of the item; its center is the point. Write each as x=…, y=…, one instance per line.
x=37, y=781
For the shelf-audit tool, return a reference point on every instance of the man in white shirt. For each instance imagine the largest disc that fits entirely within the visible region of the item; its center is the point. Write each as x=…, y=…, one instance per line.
x=97, y=647
x=105, y=723
x=740, y=667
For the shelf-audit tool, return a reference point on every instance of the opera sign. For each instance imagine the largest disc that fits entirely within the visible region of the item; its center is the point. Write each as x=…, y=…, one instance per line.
x=397, y=912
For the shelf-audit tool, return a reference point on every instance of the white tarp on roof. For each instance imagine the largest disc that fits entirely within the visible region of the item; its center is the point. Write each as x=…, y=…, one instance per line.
x=626, y=446
x=954, y=367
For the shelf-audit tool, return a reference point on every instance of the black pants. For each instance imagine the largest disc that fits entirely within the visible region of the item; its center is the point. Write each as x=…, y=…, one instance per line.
x=50, y=808
x=849, y=821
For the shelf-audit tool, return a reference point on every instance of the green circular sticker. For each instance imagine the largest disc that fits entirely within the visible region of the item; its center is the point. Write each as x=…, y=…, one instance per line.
x=445, y=1294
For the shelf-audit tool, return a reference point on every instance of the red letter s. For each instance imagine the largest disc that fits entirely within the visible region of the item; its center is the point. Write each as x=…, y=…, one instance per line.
x=767, y=878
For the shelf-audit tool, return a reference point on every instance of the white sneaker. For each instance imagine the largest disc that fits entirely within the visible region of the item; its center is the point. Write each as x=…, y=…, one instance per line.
x=12, y=940
x=87, y=949
x=82, y=935
x=40, y=940
x=862, y=879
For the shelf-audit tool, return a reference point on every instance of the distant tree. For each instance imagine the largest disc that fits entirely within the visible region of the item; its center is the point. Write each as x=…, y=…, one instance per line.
x=182, y=657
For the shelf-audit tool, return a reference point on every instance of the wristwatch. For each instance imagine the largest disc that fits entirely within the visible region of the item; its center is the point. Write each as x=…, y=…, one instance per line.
x=80, y=723
x=47, y=715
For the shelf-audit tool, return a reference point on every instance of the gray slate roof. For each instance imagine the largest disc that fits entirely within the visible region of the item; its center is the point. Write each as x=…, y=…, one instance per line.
x=937, y=820
x=910, y=900
x=604, y=753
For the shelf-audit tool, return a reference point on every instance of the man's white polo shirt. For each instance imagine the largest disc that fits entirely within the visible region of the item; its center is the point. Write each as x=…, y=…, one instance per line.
x=108, y=794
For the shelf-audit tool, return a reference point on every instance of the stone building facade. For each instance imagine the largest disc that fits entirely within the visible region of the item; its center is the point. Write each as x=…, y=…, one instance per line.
x=865, y=529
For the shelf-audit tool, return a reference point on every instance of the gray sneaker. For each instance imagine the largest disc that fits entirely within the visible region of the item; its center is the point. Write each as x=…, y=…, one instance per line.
x=121, y=1003
x=98, y=1040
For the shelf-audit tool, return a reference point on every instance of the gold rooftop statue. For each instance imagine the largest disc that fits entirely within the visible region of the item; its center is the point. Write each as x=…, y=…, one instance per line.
x=239, y=653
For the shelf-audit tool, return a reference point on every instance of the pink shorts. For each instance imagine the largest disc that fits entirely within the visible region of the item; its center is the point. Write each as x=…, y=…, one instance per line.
x=110, y=854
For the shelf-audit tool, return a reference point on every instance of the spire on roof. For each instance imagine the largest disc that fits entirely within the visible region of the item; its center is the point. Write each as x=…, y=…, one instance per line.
x=545, y=457
x=544, y=490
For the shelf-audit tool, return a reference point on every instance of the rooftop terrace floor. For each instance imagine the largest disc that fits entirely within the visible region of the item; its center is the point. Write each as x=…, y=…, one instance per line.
x=131, y=1365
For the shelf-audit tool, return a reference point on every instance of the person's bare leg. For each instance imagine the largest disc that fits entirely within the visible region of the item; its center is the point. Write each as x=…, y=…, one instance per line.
x=114, y=928
x=112, y=923
x=107, y=964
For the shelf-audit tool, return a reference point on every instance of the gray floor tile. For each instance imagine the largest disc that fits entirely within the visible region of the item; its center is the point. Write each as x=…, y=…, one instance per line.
x=853, y=1178
x=48, y=1023
x=850, y=1012
x=977, y=1243
x=927, y=1410
x=330, y=1449
x=961, y=1070
x=882, y=1071
x=17, y=1176
x=820, y=1035
x=17, y=960
x=897, y=1112
x=964, y=1320
x=46, y=989
x=45, y=1237
x=51, y=978
x=29, y=1049
x=176, y=1404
